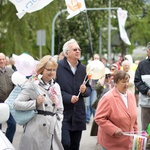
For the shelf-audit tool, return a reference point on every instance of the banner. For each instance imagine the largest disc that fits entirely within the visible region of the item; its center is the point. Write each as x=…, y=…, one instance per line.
x=29, y=6
x=139, y=141
x=122, y=16
x=74, y=7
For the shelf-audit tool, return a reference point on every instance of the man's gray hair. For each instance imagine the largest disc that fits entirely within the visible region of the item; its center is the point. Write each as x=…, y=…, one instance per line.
x=66, y=45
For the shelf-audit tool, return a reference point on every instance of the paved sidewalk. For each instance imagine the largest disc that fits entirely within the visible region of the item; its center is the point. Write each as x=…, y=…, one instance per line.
x=87, y=142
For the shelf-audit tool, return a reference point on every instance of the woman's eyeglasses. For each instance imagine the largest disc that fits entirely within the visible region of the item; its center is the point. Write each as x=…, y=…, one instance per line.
x=50, y=70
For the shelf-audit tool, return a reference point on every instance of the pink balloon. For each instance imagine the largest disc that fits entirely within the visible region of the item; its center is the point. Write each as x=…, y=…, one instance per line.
x=25, y=64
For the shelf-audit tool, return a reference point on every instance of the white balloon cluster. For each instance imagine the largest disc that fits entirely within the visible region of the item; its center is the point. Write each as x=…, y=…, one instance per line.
x=26, y=66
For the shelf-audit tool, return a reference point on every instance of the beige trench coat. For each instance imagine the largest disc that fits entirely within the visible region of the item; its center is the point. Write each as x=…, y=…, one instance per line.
x=41, y=132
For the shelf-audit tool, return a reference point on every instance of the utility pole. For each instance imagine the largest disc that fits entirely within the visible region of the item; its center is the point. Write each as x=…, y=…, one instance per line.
x=109, y=31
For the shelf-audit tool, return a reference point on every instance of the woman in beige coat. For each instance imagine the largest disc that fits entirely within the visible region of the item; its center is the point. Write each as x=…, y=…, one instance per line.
x=116, y=113
x=42, y=93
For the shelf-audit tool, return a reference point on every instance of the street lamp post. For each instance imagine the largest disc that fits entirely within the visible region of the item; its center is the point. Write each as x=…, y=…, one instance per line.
x=53, y=30
x=100, y=38
x=100, y=41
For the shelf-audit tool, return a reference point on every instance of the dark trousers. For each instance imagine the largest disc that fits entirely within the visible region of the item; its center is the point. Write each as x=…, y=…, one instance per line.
x=71, y=139
x=11, y=128
x=145, y=117
x=145, y=120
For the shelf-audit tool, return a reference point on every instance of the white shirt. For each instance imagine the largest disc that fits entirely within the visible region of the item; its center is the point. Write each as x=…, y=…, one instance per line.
x=73, y=68
x=124, y=98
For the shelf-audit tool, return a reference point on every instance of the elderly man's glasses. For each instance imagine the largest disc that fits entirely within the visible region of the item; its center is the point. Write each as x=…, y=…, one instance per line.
x=75, y=49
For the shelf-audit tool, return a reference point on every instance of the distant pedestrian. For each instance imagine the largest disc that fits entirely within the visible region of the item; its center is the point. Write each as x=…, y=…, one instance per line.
x=142, y=83
x=96, y=57
x=6, y=86
x=61, y=56
x=126, y=67
x=102, y=87
x=92, y=98
x=113, y=69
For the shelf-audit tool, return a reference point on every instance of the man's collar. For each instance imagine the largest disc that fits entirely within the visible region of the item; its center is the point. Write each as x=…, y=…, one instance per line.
x=71, y=65
x=3, y=70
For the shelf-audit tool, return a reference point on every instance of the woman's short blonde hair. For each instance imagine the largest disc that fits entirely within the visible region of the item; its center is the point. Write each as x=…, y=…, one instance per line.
x=46, y=61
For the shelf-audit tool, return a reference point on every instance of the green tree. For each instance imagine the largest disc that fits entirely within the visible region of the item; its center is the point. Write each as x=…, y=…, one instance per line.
x=19, y=35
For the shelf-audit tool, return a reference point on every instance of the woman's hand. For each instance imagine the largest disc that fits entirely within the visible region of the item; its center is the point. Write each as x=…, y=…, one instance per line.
x=40, y=100
x=118, y=132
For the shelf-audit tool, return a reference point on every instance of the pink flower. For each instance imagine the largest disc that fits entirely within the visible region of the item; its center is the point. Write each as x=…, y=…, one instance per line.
x=54, y=95
x=36, y=78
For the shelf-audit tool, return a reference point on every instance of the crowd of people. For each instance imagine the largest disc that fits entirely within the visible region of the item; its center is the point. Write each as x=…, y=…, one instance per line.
x=65, y=103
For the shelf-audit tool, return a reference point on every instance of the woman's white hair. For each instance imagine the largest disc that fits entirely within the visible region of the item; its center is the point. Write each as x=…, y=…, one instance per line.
x=66, y=45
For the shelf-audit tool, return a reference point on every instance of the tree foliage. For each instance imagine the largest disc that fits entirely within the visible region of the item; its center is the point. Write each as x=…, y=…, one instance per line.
x=19, y=35
x=77, y=28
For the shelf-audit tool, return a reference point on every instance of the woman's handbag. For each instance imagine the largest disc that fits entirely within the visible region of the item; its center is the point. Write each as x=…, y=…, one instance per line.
x=21, y=117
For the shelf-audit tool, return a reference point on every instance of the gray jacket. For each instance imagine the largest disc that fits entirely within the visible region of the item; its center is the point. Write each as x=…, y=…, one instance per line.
x=6, y=85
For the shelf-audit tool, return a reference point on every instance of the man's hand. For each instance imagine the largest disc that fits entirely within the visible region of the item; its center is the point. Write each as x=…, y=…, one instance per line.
x=83, y=88
x=148, y=93
x=74, y=99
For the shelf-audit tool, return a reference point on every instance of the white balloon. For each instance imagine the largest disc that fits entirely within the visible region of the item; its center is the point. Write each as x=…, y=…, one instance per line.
x=18, y=78
x=4, y=112
x=96, y=69
x=25, y=64
x=14, y=56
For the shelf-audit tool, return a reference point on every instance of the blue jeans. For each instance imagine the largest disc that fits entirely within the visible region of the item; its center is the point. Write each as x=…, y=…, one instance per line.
x=89, y=101
x=103, y=148
x=11, y=128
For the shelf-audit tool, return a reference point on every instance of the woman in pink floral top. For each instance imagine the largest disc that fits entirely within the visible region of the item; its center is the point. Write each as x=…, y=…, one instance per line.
x=42, y=93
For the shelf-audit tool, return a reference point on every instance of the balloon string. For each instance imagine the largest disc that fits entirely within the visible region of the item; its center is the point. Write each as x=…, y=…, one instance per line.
x=85, y=77
x=85, y=81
